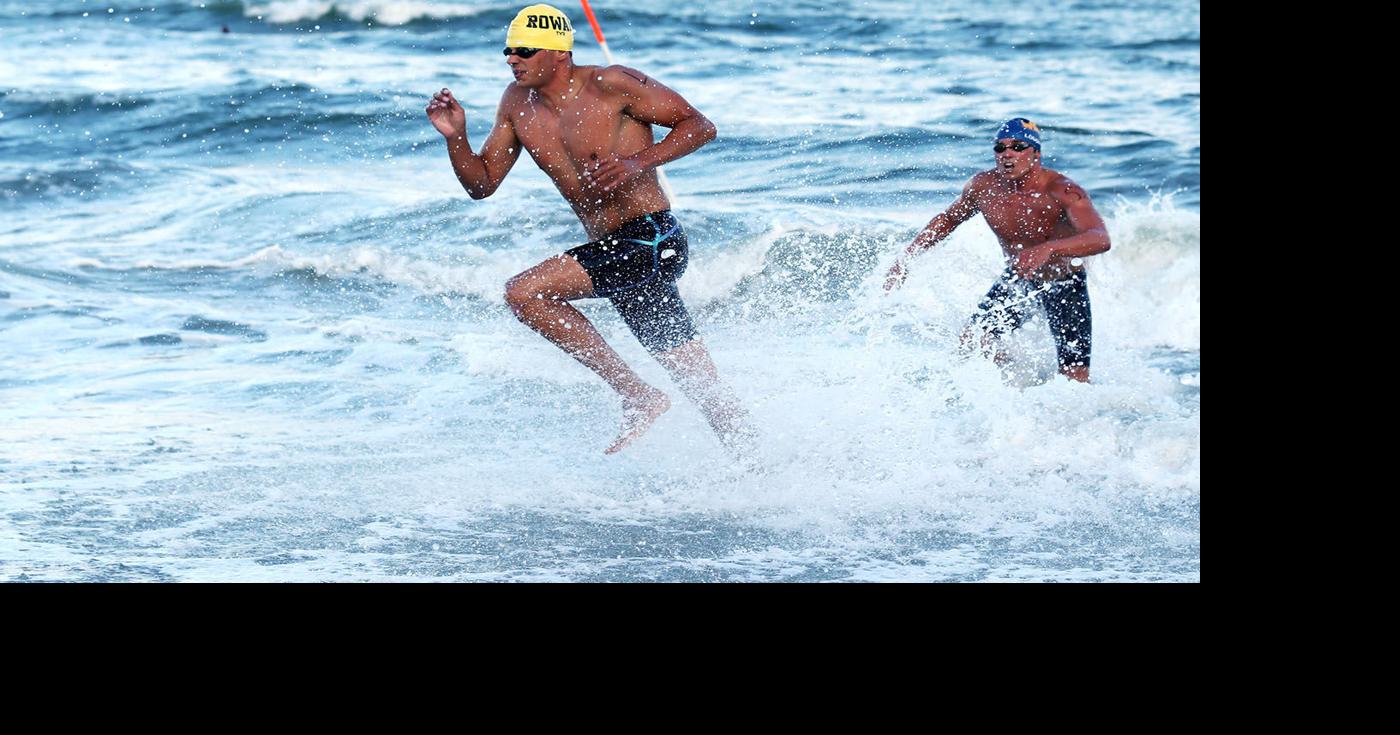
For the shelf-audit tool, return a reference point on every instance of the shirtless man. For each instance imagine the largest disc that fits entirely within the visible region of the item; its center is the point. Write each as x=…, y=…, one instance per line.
x=1046, y=226
x=589, y=129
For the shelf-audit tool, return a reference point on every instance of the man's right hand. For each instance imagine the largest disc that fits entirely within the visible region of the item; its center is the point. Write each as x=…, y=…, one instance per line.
x=895, y=278
x=447, y=115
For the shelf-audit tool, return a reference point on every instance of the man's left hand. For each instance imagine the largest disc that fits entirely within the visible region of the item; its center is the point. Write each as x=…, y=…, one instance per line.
x=614, y=173
x=1032, y=259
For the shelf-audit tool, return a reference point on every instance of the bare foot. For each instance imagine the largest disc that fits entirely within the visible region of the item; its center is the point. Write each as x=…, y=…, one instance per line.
x=637, y=417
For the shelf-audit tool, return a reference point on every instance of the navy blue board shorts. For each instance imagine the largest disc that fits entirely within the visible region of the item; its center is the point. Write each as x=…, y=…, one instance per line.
x=636, y=268
x=1065, y=304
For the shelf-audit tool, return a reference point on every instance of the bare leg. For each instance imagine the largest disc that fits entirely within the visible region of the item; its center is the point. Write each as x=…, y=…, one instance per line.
x=539, y=297
x=1075, y=372
x=693, y=370
x=976, y=339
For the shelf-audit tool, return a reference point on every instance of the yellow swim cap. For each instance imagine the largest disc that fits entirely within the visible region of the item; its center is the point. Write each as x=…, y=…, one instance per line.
x=541, y=26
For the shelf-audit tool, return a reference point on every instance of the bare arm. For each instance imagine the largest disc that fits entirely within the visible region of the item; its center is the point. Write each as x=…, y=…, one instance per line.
x=480, y=174
x=940, y=227
x=651, y=102
x=1090, y=233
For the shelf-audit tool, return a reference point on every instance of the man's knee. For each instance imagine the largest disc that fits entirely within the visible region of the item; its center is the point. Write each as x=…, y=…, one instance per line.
x=975, y=337
x=524, y=290
x=520, y=292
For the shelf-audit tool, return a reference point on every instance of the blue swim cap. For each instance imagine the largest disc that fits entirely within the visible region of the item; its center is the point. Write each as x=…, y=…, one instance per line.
x=1019, y=128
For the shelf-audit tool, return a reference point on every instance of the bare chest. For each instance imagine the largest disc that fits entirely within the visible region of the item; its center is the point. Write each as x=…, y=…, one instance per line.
x=583, y=130
x=1024, y=218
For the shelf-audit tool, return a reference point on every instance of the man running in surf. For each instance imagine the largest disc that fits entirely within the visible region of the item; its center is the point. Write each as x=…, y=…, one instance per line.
x=589, y=129
x=1046, y=226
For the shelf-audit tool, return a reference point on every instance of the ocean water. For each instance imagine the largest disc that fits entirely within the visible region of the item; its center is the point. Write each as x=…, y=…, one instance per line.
x=253, y=328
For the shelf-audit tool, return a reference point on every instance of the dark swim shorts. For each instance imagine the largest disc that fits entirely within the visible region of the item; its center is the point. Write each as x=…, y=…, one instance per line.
x=636, y=267
x=1066, y=305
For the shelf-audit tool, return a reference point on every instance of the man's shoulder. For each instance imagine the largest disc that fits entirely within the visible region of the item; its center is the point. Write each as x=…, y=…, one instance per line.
x=618, y=78
x=981, y=182
x=514, y=94
x=514, y=98
x=1063, y=187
